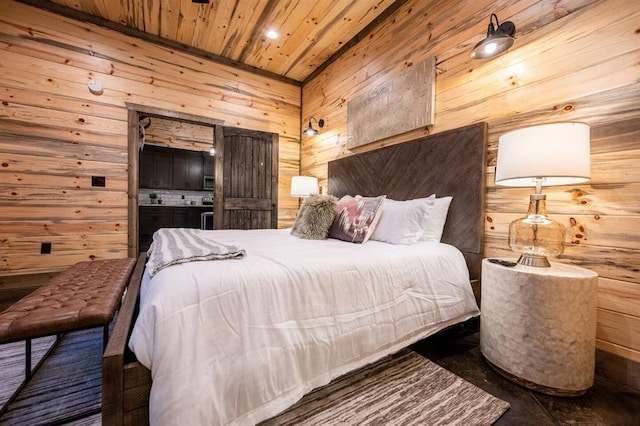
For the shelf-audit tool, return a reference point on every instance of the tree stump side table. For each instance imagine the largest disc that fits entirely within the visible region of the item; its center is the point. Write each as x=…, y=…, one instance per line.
x=538, y=325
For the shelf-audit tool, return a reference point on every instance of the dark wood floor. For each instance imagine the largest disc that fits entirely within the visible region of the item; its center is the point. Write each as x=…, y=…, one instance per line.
x=68, y=385
x=606, y=403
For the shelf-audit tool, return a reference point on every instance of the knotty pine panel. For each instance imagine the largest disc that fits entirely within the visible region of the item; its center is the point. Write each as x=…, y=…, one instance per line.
x=619, y=296
x=20, y=246
x=624, y=370
x=57, y=261
x=62, y=197
x=561, y=68
x=56, y=165
x=619, y=329
x=32, y=180
x=602, y=199
x=30, y=145
x=178, y=134
x=25, y=96
x=35, y=211
x=168, y=78
x=584, y=230
x=54, y=134
x=29, y=130
x=48, y=227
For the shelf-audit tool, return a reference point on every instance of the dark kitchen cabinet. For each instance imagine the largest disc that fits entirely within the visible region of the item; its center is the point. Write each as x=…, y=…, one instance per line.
x=167, y=168
x=155, y=168
x=187, y=170
x=152, y=218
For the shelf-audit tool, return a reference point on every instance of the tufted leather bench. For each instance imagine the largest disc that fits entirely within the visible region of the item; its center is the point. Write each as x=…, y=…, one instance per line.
x=86, y=295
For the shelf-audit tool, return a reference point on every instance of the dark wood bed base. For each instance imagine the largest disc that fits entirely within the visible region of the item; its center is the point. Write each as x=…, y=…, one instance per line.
x=448, y=163
x=126, y=383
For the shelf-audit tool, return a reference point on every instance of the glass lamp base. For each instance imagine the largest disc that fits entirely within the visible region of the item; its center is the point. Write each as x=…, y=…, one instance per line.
x=537, y=261
x=536, y=236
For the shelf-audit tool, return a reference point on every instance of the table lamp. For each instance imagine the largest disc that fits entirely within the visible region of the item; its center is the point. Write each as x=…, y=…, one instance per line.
x=547, y=154
x=302, y=186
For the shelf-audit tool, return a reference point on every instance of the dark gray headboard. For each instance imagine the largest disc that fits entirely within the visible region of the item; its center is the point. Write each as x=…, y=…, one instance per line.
x=448, y=163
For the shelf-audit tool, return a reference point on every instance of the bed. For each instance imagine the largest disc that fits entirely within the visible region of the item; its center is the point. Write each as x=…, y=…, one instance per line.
x=238, y=341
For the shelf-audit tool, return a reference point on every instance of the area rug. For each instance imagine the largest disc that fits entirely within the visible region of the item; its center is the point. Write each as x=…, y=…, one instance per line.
x=66, y=387
x=401, y=389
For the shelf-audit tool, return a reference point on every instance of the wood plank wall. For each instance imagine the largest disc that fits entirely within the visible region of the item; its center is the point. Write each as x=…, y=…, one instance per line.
x=573, y=60
x=178, y=134
x=55, y=135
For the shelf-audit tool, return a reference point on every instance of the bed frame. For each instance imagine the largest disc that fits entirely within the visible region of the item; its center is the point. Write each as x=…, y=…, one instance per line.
x=448, y=163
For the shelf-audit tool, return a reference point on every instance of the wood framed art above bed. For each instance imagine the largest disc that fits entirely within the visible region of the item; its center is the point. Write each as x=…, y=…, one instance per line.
x=451, y=163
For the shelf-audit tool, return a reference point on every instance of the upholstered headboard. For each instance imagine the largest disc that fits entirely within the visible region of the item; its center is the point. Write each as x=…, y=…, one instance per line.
x=448, y=163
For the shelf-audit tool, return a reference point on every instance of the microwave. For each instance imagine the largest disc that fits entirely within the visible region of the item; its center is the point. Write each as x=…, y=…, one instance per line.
x=208, y=183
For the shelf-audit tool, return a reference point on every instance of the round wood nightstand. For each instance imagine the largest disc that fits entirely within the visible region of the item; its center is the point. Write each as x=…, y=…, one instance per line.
x=538, y=325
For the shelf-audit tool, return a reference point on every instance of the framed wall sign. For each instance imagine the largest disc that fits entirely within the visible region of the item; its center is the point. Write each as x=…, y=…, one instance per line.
x=397, y=106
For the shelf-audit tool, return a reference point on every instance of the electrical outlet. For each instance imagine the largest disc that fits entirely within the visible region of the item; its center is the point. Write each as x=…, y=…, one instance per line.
x=45, y=248
x=98, y=181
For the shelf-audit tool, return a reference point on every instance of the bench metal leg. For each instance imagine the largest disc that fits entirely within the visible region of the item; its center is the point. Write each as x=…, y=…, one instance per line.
x=27, y=359
x=105, y=337
x=28, y=371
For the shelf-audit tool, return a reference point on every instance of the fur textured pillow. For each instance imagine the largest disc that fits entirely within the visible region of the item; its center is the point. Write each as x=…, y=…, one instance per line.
x=315, y=217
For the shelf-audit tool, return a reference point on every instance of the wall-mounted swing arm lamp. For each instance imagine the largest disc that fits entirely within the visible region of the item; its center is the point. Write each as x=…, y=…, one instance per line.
x=310, y=130
x=499, y=39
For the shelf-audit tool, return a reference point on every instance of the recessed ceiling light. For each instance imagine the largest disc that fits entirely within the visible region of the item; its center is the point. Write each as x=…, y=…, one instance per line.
x=271, y=34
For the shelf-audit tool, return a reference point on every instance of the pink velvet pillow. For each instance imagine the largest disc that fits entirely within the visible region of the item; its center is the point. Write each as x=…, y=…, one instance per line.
x=356, y=218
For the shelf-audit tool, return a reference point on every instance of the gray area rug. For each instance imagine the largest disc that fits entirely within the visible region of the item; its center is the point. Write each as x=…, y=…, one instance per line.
x=401, y=389
x=64, y=389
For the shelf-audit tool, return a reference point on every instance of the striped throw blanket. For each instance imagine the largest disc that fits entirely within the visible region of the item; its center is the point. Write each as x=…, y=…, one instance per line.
x=172, y=246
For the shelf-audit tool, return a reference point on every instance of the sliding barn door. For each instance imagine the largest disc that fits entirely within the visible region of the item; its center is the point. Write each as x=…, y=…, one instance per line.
x=250, y=179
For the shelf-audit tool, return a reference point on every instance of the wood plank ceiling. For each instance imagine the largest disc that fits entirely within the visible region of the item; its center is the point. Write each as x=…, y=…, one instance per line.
x=310, y=31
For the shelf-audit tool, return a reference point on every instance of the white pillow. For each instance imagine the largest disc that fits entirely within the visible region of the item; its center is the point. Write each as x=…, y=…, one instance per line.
x=437, y=218
x=402, y=222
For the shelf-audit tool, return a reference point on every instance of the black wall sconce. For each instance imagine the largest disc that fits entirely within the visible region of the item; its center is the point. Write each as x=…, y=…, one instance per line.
x=310, y=130
x=497, y=40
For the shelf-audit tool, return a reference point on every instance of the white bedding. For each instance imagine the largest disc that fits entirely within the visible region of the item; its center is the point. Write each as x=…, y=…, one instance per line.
x=238, y=341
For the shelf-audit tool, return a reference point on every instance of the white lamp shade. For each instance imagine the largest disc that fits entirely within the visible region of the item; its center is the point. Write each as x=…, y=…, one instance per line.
x=560, y=153
x=301, y=186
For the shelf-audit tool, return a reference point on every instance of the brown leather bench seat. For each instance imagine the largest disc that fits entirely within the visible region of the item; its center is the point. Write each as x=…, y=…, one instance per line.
x=84, y=296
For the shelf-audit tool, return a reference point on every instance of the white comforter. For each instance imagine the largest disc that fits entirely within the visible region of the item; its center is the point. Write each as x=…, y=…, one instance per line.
x=238, y=341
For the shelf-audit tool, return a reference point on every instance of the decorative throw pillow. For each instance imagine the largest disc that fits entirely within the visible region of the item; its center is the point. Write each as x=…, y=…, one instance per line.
x=315, y=217
x=437, y=219
x=401, y=222
x=356, y=218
